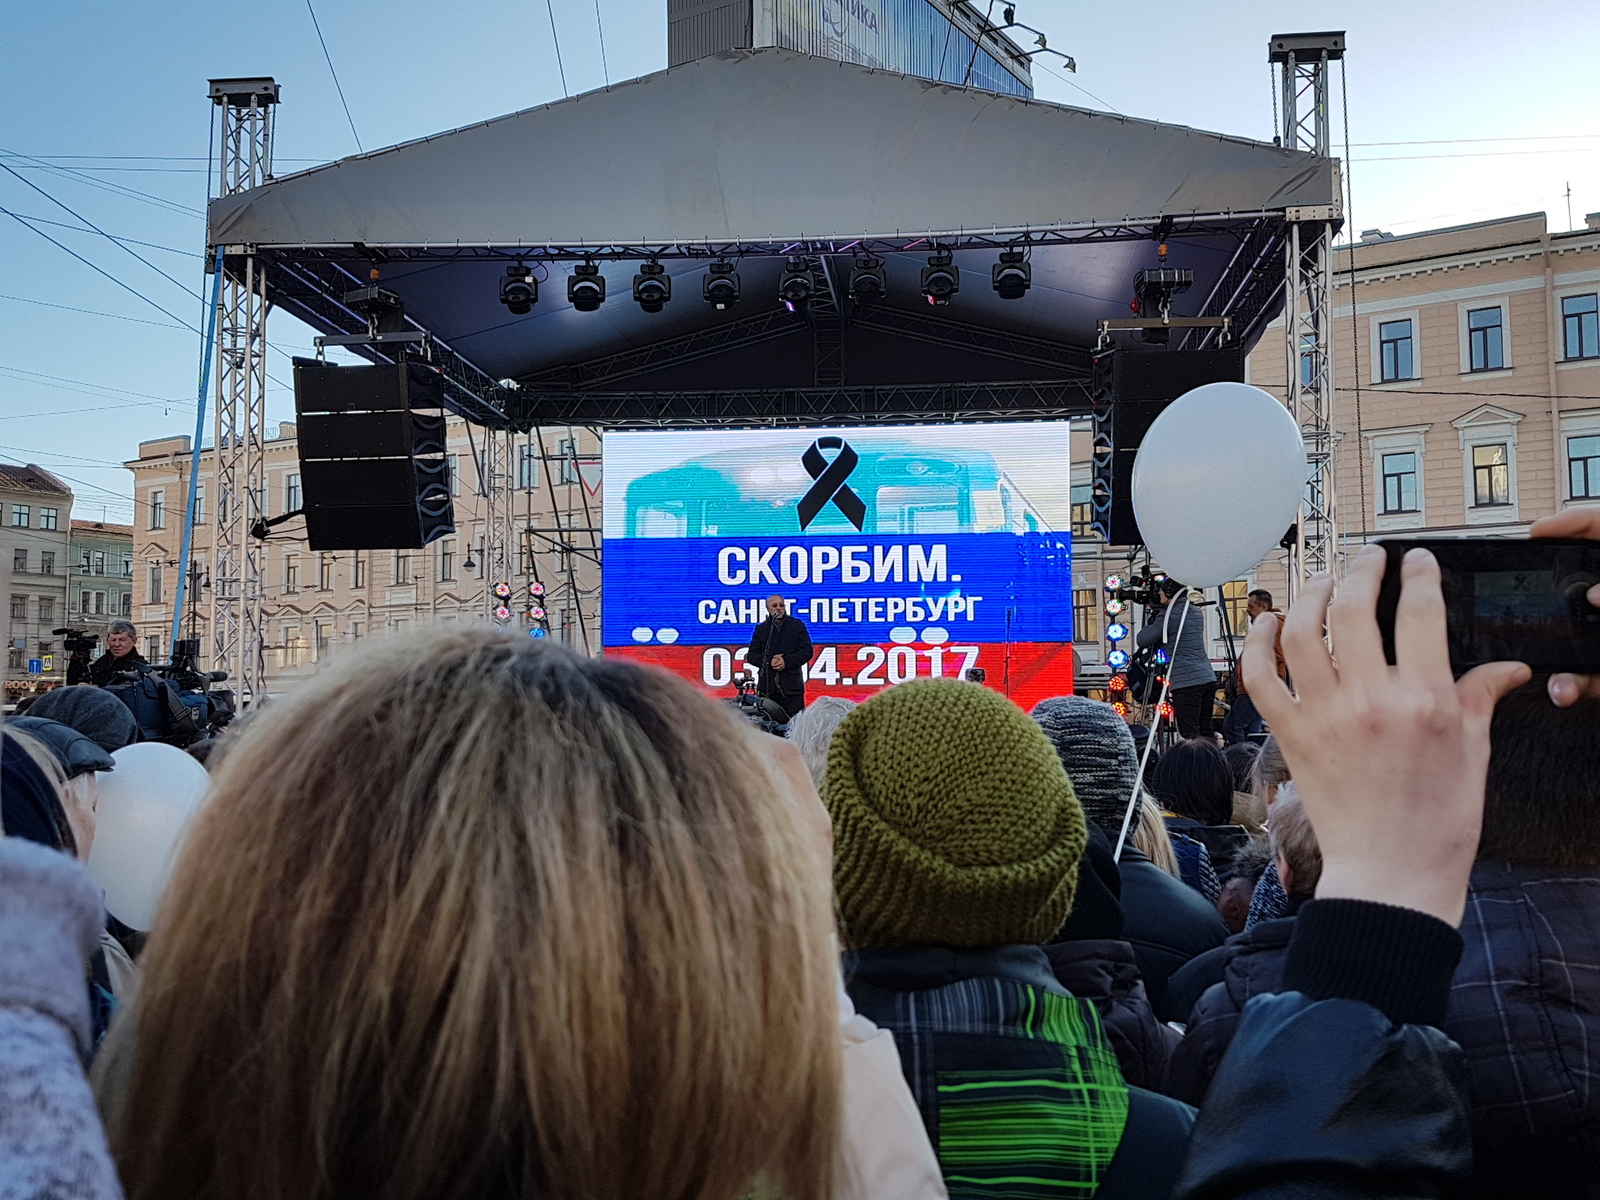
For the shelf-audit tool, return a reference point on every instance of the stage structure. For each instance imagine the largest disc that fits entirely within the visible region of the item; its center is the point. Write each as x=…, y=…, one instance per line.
x=1302, y=60
x=764, y=239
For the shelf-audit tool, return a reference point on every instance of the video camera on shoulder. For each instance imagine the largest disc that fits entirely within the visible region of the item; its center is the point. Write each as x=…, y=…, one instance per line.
x=1508, y=600
x=766, y=715
x=175, y=702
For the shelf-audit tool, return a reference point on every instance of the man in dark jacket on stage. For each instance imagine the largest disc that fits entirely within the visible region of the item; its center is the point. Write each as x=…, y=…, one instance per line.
x=781, y=647
x=122, y=654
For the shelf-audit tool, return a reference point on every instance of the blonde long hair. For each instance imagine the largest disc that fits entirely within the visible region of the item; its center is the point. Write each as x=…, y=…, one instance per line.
x=470, y=916
x=1150, y=835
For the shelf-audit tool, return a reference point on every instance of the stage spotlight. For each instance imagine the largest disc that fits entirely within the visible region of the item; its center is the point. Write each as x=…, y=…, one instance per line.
x=797, y=285
x=1012, y=275
x=519, y=290
x=1117, y=632
x=1117, y=659
x=721, y=288
x=867, y=281
x=652, y=287
x=586, y=287
x=940, y=279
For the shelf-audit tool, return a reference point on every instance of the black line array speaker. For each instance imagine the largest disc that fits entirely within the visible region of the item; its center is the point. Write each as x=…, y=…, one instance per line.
x=1130, y=391
x=373, y=472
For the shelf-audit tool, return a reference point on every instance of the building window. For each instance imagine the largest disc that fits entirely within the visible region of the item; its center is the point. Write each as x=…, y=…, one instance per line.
x=291, y=493
x=14, y=658
x=152, y=647
x=568, y=450
x=402, y=567
x=530, y=547
x=100, y=604
x=452, y=470
x=1085, y=614
x=358, y=569
x=1235, y=595
x=1308, y=359
x=528, y=467
x=83, y=601
x=447, y=560
x=1486, y=339
x=47, y=608
x=127, y=604
x=1082, y=510
x=127, y=566
x=325, y=572
x=1491, y=475
x=158, y=509
x=47, y=518
x=1580, y=326
x=19, y=560
x=1583, y=467
x=47, y=562
x=291, y=572
x=1394, y=351
x=19, y=515
x=319, y=640
x=154, y=594
x=83, y=561
x=1400, y=483
x=200, y=504
x=99, y=562
x=19, y=608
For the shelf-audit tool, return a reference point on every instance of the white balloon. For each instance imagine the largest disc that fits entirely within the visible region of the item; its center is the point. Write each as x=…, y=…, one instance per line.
x=1217, y=481
x=146, y=805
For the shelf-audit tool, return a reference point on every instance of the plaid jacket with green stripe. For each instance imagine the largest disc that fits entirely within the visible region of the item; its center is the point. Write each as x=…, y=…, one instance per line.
x=1017, y=1085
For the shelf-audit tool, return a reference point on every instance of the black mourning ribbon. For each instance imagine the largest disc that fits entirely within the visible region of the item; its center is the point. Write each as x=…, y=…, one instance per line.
x=830, y=483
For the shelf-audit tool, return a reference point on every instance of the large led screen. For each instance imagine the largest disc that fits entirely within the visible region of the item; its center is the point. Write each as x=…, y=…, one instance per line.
x=910, y=552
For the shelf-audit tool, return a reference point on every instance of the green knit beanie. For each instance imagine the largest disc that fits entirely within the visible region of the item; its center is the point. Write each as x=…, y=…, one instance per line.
x=953, y=821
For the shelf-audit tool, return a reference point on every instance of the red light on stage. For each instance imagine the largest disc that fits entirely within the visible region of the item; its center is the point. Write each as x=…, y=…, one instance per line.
x=1119, y=683
x=1166, y=710
x=1120, y=708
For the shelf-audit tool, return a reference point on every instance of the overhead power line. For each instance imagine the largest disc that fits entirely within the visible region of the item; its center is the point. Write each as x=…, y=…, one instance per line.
x=338, y=87
x=116, y=188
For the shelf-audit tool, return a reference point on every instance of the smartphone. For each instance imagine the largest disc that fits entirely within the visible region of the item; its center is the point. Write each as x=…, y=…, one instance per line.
x=1508, y=599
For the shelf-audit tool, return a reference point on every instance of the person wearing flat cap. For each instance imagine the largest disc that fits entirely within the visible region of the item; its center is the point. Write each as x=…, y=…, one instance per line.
x=957, y=842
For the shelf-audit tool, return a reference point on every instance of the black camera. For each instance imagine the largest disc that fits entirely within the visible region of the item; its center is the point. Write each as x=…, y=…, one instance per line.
x=1144, y=590
x=80, y=646
x=175, y=702
x=766, y=715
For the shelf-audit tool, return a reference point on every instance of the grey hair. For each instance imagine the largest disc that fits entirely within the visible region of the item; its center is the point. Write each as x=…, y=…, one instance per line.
x=126, y=627
x=812, y=728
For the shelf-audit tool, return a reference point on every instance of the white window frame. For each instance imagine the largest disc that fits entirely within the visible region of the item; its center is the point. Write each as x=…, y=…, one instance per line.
x=1580, y=423
x=1503, y=303
x=1400, y=440
x=1489, y=425
x=1559, y=326
x=1374, y=351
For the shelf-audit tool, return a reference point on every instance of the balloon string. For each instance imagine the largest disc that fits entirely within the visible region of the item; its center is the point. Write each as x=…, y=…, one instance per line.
x=1149, y=742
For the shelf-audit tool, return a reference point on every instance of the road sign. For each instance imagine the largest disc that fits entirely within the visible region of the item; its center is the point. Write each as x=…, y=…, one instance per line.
x=36, y=666
x=49, y=663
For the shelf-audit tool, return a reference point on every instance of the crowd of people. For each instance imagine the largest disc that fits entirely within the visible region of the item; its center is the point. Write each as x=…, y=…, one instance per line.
x=472, y=916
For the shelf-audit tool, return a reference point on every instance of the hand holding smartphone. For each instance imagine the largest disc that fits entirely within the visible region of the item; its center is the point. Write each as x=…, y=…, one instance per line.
x=1508, y=600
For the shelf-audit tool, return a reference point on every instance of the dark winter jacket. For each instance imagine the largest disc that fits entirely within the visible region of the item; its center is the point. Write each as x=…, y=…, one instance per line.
x=1167, y=924
x=1525, y=1008
x=106, y=668
x=1249, y=964
x=1342, y=1087
x=1106, y=974
x=789, y=638
x=1017, y=1084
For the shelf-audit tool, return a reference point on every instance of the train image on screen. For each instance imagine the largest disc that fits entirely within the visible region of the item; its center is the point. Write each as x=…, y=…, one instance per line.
x=755, y=492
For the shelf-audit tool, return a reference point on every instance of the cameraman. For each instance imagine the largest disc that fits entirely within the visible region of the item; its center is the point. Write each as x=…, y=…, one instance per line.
x=122, y=654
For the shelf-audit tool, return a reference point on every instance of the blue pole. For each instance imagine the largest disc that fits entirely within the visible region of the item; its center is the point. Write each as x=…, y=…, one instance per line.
x=206, y=351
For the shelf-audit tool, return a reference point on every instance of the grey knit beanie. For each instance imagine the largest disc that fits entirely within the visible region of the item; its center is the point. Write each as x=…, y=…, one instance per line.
x=93, y=712
x=1096, y=749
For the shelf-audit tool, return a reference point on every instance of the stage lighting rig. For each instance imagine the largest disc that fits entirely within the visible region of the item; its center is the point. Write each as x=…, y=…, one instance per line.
x=797, y=285
x=384, y=310
x=940, y=279
x=519, y=290
x=586, y=287
x=867, y=280
x=652, y=287
x=1153, y=290
x=1012, y=275
x=721, y=288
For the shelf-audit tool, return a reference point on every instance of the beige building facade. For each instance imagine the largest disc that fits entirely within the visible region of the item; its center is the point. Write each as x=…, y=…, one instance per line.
x=35, y=520
x=318, y=603
x=1467, y=401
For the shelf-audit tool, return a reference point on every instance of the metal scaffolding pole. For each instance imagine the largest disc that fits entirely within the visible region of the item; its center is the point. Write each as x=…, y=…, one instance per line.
x=1302, y=59
x=499, y=499
x=240, y=429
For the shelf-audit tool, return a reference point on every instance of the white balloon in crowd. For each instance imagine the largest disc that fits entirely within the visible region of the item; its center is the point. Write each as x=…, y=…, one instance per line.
x=146, y=804
x=1217, y=482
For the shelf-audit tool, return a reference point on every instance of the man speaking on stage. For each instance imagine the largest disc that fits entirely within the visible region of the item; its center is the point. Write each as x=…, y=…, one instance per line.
x=780, y=647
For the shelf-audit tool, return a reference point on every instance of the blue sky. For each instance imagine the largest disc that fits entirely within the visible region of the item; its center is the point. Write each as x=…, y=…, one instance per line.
x=1458, y=112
